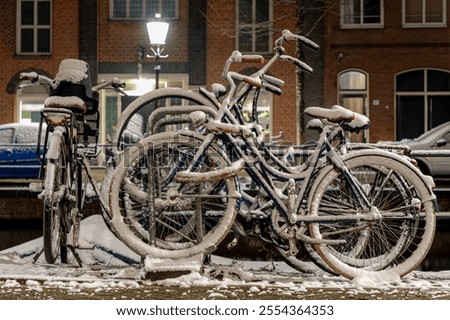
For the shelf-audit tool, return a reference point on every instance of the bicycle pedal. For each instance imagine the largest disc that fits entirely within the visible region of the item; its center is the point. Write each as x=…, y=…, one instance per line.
x=233, y=243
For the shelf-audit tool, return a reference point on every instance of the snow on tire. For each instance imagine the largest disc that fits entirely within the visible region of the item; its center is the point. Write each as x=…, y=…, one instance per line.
x=156, y=216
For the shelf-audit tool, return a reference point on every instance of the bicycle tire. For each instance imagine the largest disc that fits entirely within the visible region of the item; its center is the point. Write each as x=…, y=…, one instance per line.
x=172, y=97
x=183, y=219
x=55, y=180
x=176, y=97
x=73, y=213
x=396, y=242
x=303, y=261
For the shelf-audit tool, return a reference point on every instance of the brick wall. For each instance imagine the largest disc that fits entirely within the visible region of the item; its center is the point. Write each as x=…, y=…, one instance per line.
x=119, y=40
x=382, y=53
x=221, y=41
x=65, y=44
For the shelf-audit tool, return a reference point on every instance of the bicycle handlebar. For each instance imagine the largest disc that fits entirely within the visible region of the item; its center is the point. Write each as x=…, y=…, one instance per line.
x=297, y=62
x=34, y=78
x=289, y=36
x=237, y=56
x=115, y=83
x=37, y=79
x=260, y=79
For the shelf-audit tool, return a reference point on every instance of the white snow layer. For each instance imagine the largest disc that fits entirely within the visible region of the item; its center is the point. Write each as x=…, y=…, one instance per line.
x=116, y=265
x=71, y=70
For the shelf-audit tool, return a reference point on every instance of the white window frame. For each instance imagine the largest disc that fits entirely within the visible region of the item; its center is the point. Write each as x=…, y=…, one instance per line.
x=361, y=25
x=424, y=24
x=254, y=26
x=143, y=17
x=35, y=27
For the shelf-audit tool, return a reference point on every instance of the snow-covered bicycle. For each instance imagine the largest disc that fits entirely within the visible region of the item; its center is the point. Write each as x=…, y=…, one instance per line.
x=71, y=118
x=176, y=194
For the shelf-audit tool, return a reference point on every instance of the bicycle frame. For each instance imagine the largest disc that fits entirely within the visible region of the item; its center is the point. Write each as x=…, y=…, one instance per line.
x=263, y=174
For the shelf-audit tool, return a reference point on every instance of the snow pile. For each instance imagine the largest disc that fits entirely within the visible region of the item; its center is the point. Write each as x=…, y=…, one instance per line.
x=99, y=246
x=109, y=265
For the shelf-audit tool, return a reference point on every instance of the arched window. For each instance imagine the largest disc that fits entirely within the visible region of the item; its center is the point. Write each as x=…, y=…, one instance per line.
x=422, y=101
x=353, y=94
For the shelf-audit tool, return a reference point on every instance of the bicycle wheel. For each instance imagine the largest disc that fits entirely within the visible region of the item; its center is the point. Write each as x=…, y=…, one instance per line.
x=158, y=217
x=165, y=109
x=175, y=100
x=72, y=213
x=56, y=179
x=403, y=225
x=294, y=252
x=302, y=260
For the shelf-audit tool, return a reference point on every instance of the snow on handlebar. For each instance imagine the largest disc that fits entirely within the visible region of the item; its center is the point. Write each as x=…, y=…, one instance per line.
x=297, y=62
x=289, y=36
x=117, y=83
x=256, y=82
x=32, y=76
x=237, y=56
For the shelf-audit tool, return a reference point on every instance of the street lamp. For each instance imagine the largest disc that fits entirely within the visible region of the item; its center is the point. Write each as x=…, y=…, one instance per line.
x=157, y=33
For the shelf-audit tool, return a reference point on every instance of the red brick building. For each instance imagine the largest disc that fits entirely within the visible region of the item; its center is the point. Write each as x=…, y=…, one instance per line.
x=387, y=59
x=108, y=34
x=33, y=41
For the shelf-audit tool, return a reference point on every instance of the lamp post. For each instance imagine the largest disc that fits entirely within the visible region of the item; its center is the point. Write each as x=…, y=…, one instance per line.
x=157, y=33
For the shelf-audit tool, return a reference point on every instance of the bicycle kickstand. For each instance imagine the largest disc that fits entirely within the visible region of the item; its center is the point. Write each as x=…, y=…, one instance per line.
x=76, y=255
x=38, y=254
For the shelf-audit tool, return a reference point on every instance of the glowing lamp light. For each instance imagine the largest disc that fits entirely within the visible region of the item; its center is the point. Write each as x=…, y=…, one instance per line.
x=157, y=32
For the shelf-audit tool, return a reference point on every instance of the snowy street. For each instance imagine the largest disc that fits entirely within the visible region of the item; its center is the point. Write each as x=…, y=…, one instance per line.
x=112, y=271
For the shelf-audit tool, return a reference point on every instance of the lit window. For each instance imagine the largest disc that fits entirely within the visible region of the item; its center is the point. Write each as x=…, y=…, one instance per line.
x=353, y=95
x=424, y=13
x=34, y=27
x=254, y=22
x=143, y=9
x=362, y=13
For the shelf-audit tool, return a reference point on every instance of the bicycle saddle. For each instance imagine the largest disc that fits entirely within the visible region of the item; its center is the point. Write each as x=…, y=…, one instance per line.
x=335, y=114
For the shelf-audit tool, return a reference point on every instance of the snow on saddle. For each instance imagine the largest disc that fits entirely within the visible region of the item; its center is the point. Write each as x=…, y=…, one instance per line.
x=72, y=103
x=353, y=121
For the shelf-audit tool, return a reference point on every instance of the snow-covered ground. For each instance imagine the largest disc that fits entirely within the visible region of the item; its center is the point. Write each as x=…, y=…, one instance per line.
x=109, y=264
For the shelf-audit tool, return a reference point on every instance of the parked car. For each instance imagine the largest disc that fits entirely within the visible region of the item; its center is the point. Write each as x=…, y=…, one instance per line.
x=431, y=150
x=18, y=154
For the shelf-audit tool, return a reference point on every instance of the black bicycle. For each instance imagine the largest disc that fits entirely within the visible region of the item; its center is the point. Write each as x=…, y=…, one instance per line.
x=71, y=117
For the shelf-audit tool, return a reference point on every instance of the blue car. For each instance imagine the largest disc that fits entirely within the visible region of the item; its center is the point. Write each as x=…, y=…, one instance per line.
x=18, y=155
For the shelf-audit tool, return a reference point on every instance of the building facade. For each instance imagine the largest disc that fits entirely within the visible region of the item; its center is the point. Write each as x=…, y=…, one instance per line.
x=389, y=60
x=386, y=59
x=109, y=34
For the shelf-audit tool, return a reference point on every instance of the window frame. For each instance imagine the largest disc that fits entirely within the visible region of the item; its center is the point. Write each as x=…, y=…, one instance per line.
x=355, y=92
x=425, y=92
x=144, y=16
x=361, y=25
x=254, y=27
x=34, y=27
x=425, y=24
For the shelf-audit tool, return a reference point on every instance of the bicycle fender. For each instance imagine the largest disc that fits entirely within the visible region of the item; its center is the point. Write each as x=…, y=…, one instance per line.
x=54, y=145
